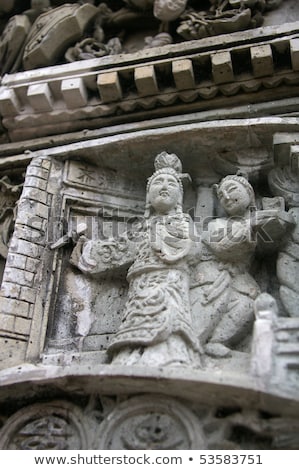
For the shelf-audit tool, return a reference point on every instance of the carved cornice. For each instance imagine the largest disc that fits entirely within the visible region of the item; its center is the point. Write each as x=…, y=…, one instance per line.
x=210, y=73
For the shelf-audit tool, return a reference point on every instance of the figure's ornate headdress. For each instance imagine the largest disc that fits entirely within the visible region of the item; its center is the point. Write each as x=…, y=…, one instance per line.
x=167, y=163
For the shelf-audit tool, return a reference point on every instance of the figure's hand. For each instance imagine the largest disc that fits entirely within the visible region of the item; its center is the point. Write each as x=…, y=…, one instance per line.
x=75, y=236
x=272, y=224
x=77, y=251
x=260, y=218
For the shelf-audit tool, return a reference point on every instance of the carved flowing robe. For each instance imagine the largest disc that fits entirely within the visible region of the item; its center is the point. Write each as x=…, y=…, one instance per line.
x=224, y=291
x=156, y=328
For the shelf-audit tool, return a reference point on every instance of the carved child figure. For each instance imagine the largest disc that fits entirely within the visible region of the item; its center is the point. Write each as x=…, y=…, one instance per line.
x=235, y=251
x=225, y=292
x=156, y=329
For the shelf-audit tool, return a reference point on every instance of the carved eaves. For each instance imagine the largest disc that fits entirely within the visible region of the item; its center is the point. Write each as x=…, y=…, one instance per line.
x=240, y=68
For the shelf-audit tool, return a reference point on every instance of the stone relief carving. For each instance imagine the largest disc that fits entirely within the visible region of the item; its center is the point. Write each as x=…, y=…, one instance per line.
x=274, y=432
x=90, y=29
x=149, y=422
x=157, y=326
x=95, y=46
x=288, y=270
x=41, y=35
x=9, y=195
x=15, y=34
x=187, y=297
x=223, y=16
x=226, y=291
x=223, y=290
x=59, y=27
x=284, y=182
x=49, y=426
x=144, y=422
x=101, y=203
x=266, y=312
x=85, y=176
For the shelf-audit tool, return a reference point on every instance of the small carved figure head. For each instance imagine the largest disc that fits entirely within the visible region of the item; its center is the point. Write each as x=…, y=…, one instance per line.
x=265, y=307
x=235, y=194
x=164, y=191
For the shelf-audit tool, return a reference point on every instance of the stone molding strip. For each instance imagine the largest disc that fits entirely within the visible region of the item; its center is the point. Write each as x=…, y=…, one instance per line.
x=89, y=94
x=11, y=155
x=187, y=384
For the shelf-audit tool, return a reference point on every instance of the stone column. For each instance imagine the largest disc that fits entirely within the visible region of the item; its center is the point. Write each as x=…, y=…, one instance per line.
x=22, y=317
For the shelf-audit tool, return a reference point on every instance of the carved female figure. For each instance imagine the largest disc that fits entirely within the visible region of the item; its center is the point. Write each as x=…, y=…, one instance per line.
x=156, y=328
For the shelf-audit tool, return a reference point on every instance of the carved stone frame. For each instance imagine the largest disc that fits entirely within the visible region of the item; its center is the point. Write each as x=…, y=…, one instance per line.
x=228, y=144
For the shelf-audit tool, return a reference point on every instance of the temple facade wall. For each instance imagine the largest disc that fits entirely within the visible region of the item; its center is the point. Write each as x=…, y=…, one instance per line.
x=149, y=226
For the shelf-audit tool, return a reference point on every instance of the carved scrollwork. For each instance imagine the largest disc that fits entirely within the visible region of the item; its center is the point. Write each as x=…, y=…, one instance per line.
x=45, y=426
x=151, y=422
x=101, y=256
x=161, y=39
x=90, y=48
x=223, y=17
x=29, y=39
x=144, y=422
x=197, y=25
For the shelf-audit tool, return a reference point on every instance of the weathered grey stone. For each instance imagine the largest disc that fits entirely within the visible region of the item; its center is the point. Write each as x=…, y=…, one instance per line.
x=57, y=425
x=9, y=195
x=161, y=424
x=54, y=32
x=222, y=67
x=183, y=74
x=262, y=61
x=63, y=329
x=12, y=42
x=40, y=97
x=157, y=317
x=145, y=79
x=265, y=309
x=109, y=87
x=74, y=92
x=9, y=103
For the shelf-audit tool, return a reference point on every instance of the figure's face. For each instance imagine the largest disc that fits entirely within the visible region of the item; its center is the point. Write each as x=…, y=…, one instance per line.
x=233, y=197
x=164, y=193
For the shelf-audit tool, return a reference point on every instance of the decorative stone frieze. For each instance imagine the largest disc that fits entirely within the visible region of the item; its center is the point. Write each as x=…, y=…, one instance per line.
x=84, y=30
x=149, y=421
x=90, y=92
x=140, y=309
x=47, y=426
x=85, y=191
